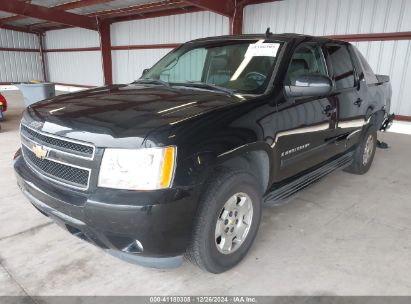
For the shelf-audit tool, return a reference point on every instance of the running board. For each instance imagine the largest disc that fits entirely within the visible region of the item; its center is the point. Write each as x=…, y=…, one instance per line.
x=281, y=195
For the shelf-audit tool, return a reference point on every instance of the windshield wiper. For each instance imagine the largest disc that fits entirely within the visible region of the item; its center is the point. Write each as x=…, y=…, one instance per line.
x=204, y=85
x=152, y=81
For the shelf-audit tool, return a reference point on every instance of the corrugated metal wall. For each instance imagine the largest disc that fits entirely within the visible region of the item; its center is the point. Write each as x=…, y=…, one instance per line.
x=71, y=38
x=129, y=64
x=392, y=58
x=337, y=17
x=13, y=39
x=18, y=66
x=82, y=68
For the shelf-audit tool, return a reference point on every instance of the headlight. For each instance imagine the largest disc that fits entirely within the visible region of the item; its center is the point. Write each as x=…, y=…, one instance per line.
x=137, y=169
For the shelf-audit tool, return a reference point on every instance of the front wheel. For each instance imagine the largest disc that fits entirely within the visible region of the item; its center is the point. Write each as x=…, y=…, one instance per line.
x=364, y=154
x=227, y=221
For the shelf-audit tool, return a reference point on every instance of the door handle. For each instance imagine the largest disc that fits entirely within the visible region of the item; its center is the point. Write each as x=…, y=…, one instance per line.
x=358, y=102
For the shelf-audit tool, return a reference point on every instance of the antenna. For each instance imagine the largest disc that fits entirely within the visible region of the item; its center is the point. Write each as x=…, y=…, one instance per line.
x=267, y=32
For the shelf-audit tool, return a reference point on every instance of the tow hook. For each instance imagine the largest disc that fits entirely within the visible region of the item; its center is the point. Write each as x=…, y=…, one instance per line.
x=387, y=122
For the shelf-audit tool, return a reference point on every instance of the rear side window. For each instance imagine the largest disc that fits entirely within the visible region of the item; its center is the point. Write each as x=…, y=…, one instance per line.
x=342, y=66
x=369, y=75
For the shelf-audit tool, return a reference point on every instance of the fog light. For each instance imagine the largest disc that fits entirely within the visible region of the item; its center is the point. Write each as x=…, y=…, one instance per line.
x=134, y=247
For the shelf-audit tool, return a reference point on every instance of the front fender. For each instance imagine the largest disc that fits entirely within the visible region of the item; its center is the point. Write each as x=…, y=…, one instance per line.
x=199, y=167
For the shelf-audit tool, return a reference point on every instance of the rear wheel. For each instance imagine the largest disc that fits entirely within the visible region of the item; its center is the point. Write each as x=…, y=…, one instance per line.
x=364, y=154
x=227, y=221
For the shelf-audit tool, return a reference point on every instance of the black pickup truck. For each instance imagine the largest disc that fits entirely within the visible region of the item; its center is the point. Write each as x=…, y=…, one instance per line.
x=181, y=162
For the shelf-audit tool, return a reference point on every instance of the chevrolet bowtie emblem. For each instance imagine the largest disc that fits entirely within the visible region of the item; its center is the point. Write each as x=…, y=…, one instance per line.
x=40, y=152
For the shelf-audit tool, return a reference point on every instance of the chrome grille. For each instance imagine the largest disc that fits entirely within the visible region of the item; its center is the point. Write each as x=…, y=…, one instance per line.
x=61, y=160
x=67, y=146
x=63, y=173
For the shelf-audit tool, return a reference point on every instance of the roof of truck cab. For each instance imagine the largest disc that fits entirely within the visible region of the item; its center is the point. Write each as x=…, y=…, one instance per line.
x=281, y=37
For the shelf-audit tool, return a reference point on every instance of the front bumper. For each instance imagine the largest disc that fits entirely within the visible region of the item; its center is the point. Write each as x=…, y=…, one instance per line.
x=151, y=228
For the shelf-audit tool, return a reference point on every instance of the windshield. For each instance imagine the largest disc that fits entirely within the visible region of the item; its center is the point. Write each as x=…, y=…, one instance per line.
x=236, y=66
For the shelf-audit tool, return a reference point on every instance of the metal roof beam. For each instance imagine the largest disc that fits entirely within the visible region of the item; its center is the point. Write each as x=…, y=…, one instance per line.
x=49, y=14
x=147, y=15
x=18, y=29
x=156, y=9
x=61, y=7
x=225, y=8
x=105, y=46
x=78, y=4
x=139, y=9
x=134, y=16
x=250, y=2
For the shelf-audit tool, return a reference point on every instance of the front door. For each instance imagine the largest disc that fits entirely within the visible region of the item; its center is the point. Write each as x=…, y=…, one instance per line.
x=304, y=126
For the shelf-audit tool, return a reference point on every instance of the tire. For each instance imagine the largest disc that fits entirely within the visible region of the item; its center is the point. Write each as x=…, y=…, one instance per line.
x=364, y=153
x=229, y=190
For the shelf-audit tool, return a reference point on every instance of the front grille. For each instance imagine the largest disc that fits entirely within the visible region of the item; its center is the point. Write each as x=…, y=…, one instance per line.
x=60, y=144
x=63, y=173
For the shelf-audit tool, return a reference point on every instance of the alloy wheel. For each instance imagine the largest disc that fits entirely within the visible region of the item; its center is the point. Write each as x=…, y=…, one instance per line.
x=368, y=150
x=233, y=223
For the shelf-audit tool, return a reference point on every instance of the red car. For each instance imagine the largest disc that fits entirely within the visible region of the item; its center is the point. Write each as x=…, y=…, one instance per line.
x=3, y=106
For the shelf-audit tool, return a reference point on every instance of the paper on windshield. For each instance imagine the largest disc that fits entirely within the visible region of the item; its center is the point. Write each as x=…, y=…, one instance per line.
x=262, y=49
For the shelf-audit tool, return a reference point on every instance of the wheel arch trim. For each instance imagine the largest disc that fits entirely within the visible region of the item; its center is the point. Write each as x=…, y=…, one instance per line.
x=258, y=156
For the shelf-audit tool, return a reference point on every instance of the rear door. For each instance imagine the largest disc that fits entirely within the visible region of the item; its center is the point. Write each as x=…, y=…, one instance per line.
x=305, y=126
x=350, y=104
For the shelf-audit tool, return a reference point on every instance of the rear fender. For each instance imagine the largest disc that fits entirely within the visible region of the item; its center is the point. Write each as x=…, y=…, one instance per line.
x=375, y=120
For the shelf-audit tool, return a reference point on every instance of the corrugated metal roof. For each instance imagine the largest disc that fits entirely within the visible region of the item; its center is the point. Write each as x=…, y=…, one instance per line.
x=25, y=21
x=5, y=15
x=50, y=3
x=117, y=4
x=97, y=8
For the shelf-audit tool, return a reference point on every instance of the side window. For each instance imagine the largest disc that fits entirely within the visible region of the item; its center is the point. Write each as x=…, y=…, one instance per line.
x=342, y=66
x=307, y=59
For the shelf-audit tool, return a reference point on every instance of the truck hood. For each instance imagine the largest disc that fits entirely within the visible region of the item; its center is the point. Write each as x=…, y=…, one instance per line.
x=122, y=115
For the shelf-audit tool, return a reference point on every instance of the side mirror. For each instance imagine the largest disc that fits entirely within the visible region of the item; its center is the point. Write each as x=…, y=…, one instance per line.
x=309, y=85
x=145, y=72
